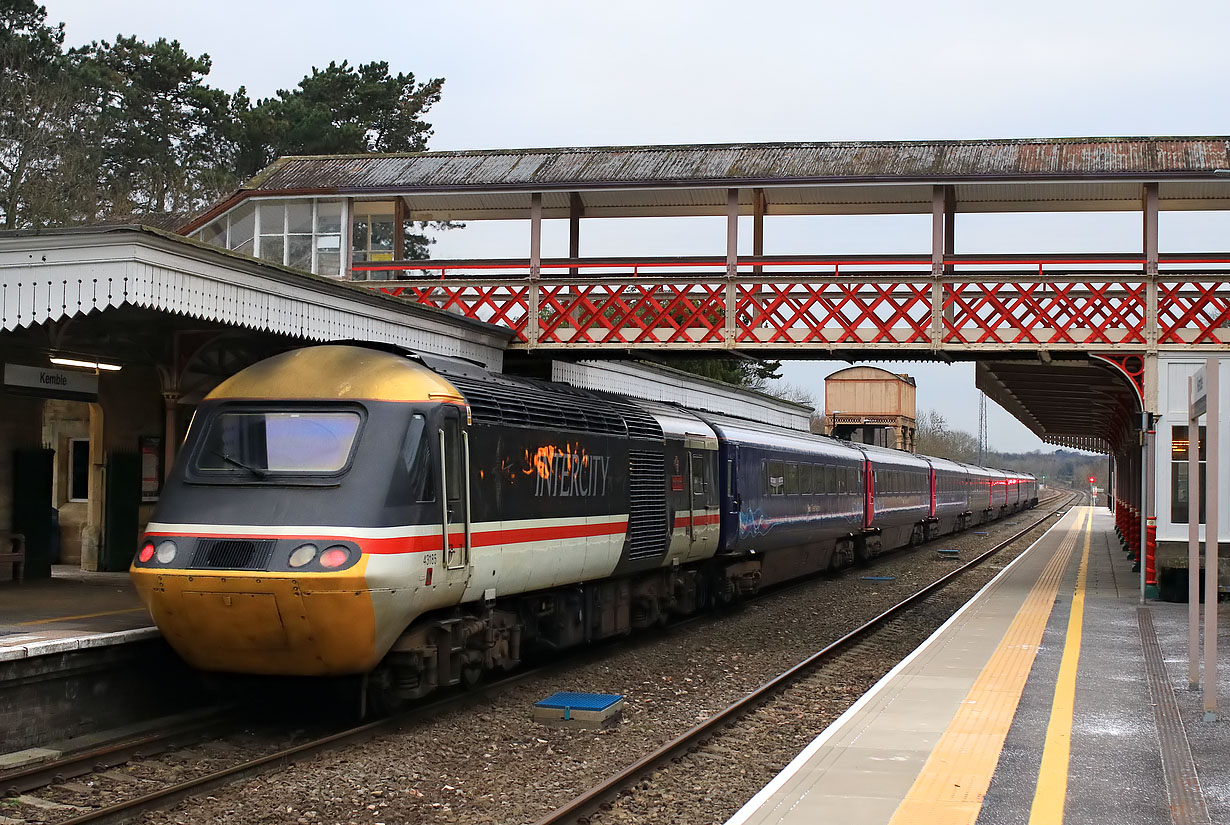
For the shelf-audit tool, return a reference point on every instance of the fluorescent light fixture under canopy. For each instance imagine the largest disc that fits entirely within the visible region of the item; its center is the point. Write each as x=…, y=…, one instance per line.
x=90, y=365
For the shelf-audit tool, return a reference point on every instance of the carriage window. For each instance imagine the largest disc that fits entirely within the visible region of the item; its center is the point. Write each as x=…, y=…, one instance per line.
x=698, y=475
x=792, y=479
x=775, y=478
x=416, y=458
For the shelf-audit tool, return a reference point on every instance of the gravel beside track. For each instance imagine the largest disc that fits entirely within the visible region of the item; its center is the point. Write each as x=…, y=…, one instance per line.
x=494, y=764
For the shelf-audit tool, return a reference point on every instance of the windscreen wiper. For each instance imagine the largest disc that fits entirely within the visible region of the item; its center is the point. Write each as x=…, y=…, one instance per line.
x=256, y=471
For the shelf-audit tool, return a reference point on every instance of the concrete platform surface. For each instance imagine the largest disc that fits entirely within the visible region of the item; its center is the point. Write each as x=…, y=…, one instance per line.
x=1053, y=696
x=71, y=609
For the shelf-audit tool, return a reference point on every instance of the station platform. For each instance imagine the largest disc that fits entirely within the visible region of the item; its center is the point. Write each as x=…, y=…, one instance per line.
x=1045, y=699
x=71, y=610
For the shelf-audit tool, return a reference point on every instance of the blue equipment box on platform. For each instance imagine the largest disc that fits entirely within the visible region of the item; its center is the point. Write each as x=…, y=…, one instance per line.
x=580, y=709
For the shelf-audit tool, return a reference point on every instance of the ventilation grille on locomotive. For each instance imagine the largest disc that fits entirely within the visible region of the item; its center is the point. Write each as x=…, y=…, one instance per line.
x=647, y=504
x=232, y=554
x=535, y=405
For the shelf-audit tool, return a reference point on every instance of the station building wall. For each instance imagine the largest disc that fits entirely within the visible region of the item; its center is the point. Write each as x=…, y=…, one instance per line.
x=1170, y=500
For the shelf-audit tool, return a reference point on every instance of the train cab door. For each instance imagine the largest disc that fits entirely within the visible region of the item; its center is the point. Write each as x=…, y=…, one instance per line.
x=454, y=445
x=702, y=491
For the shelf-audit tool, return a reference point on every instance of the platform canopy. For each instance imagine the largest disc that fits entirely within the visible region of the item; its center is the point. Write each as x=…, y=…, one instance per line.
x=1087, y=404
x=130, y=283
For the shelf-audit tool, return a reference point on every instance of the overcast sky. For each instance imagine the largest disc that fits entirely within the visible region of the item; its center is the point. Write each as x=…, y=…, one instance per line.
x=526, y=74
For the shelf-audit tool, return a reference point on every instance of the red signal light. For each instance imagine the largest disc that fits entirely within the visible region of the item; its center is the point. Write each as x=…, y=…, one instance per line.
x=147, y=552
x=1090, y=479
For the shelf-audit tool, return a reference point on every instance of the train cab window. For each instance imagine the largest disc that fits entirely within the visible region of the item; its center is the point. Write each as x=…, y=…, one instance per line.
x=416, y=458
x=792, y=479
x=775, y=478
x=250, y=444
x=452, y=455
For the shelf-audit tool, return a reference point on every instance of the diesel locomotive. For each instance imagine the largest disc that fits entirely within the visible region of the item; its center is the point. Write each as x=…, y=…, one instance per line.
x=347, y=509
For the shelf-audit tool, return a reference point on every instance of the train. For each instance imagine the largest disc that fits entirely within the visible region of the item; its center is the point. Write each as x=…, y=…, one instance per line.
x=418, y=521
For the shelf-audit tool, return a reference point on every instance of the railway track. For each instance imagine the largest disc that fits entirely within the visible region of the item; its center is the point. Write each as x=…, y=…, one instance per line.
x=580, y=808
x=128, y=809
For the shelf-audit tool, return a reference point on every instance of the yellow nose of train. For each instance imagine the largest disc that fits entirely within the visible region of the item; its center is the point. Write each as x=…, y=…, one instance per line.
x=270, y=623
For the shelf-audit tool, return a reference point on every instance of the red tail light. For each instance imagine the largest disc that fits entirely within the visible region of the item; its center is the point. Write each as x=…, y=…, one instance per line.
x=147, y=552
x=334, y=557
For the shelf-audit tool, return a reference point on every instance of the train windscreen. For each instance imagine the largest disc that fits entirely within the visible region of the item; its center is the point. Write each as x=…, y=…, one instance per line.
x=263, y=442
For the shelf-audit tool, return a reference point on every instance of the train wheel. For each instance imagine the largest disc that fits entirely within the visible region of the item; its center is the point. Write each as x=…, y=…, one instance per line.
x=861, y=556
x=380, y=694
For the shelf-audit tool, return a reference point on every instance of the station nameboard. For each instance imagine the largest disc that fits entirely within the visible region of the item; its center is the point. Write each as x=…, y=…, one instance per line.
x=82, y=386
x=1199, y=399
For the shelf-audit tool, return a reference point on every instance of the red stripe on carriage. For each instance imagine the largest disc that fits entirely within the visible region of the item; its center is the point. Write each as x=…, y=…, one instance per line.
x=426, y=544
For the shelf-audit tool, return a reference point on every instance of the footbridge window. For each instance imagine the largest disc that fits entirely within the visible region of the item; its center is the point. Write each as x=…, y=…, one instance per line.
x=302, y=233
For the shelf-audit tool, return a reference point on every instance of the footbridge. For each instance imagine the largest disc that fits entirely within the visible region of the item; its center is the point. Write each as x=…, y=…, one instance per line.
x=1087, y=350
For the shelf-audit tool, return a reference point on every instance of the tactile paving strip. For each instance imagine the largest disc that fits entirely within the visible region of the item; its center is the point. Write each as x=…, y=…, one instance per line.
x=1187, y=805
x=953, y=783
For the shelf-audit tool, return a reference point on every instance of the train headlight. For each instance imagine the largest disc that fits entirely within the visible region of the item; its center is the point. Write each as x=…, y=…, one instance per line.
x=147, y=552
x=335, y=556
x=166, y=552
x=303, y=554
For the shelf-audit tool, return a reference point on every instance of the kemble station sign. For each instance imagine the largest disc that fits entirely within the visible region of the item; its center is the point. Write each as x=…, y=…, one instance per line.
x=1200, y=396
x=52, y=383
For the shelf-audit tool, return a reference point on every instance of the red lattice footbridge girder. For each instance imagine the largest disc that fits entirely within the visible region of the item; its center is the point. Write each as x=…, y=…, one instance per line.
x=1000, y=303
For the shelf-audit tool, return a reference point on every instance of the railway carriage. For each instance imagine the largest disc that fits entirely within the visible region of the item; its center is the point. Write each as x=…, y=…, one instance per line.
x=792, y=501
x=899, y=504
x=950, y=497
x=417, y=521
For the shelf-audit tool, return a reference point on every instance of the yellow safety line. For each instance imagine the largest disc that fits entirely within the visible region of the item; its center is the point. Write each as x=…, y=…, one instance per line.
x=1052, y=787
x=81, y=616
x=955, y=778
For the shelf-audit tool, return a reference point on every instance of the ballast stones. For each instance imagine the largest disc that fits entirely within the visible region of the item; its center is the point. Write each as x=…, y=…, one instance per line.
x=580, y=710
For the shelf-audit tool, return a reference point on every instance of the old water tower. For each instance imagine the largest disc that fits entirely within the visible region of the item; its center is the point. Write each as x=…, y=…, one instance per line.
x=871, y=406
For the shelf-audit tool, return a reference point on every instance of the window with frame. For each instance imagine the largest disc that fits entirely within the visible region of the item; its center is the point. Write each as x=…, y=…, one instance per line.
x=792, y=479
x=416, y=458
x=1179, y=487
x=775, y=478
x=304, y=233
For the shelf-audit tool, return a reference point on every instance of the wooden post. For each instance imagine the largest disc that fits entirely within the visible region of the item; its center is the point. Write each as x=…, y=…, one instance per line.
x=1193, y=543
x=576, y=211
x=732, y=263
x=1212, y=463
x=758, y=209
x=937, y=265
x=533, y=324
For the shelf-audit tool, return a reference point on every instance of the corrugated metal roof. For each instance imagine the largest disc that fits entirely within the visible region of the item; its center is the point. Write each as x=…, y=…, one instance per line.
x=580, y=168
